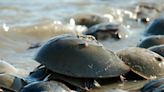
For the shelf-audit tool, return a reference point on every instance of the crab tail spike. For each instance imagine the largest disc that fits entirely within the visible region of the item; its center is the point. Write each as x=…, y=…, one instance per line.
x=84, y=88
x=122, y=78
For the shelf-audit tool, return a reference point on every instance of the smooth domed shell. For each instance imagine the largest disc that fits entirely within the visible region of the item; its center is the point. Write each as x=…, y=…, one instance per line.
x=151, y=41
x=12, y=81
x=38, y=74
x=42, y=86
x=156, y=28
x=152, y=85
x=158, y=49
x=36, y=45
x=142, y=61
x=147, y=11
x=111, y=28
x=89, y=20
x=144, y=17
x=79, y=56
x=159, y=89
x=151, y=5
x=5, y=67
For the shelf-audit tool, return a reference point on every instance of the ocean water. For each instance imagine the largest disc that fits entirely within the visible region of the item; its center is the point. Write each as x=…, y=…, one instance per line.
x=24, y=22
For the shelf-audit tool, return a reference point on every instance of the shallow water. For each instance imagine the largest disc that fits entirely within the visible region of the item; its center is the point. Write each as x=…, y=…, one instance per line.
x=25, y=22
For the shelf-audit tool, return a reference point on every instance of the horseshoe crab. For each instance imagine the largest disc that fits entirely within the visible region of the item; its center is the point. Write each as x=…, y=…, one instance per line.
x=157, y=49
x=12, y=81
x=7, y=68
x=151, y=41
x=151, y=5
x=6, y=89
x=36, y=45
x=143, y=62
x=159, y=89
x=90, y=20
x=38, y=74
x=107, y=30
x=80, y=56
x=153, y=85
x=72, y=82
x=49, y=86
x=147, y=11
x=156, y=28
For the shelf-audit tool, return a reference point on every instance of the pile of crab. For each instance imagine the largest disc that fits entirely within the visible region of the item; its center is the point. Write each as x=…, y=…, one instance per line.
x=80, y=63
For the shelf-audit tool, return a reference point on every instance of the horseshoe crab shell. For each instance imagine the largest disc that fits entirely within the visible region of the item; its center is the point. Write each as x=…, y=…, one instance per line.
x=157, y=49
x=7, y=68
x=38, y=74
x=49, y=86
x=12, y=81
x=147, y=11
x=156, y=28
x=150, y=5
x=143, y=62
x=36, y=45
x=159, y=89
x=79, y=56
x=89, y=20
x=106, y=30
x=151, y=41
x=152, y=85
x=77, y=82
